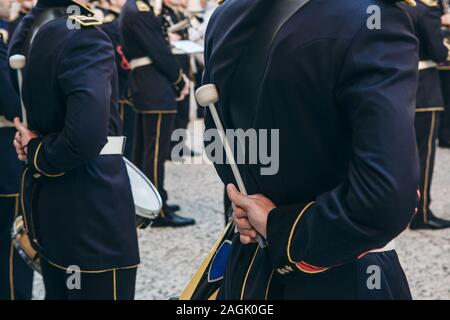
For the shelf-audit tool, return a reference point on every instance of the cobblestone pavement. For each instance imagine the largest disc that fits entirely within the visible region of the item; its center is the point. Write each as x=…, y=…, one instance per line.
x=171, y=256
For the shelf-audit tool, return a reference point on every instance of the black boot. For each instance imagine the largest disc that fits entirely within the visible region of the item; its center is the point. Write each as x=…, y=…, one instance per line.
x=444, y=143
x=169, y=218
x=173, y=207
x=433, y=223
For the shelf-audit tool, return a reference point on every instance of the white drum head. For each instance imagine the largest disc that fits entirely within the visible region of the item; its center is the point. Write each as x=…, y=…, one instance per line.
x=147, y=200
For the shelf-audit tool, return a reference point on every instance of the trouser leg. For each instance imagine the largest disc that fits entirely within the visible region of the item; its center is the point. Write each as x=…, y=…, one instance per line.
x=157, y=129
x=16, y=277
x=138, y=142
x=426, y=124
x=115, y=284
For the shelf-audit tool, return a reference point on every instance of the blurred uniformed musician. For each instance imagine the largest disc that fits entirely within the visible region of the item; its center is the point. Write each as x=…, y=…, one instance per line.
x=109, y=14
x=426, y=19
x=76, y=193
x=175, y=25
x=15, y=276
x=157, y=82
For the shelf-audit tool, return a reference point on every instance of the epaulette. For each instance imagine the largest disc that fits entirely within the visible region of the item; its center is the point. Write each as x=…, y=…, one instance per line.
x=430, y=3
x=4, y=35
x=109, y=18
x=412, y=3
x=142, y=6
x=88, y=8
x=85, y=21
x=219, y=2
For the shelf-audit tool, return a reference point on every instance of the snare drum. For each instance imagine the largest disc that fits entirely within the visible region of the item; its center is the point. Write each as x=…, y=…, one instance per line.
x=22, y=243
x=147, y=200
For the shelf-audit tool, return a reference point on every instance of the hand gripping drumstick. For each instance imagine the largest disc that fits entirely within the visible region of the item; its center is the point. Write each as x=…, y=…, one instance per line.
x=207, y=96
x=17, y=62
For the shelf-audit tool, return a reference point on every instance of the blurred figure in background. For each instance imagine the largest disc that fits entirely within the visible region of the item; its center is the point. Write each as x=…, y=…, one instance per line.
x=157, y=83
x=176, y=25
x=16, y=278
x=429, y=104
x=20, y=9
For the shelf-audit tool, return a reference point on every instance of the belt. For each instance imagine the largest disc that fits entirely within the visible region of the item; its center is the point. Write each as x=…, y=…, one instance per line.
x=115, y=146
x=427, y=64
x=140, y=62
x=390, y=246
x=4, y=123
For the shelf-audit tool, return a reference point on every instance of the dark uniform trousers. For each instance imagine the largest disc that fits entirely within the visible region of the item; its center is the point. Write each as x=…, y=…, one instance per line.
x=128, y=116
x=182, y=117
x=427, y=124
x=16, y=277
x=429, y=97
x=444, y=128
x=152, y=146
x=115, y=284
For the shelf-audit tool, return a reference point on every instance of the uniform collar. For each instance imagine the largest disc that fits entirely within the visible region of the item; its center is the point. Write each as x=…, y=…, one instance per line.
x=85, y=10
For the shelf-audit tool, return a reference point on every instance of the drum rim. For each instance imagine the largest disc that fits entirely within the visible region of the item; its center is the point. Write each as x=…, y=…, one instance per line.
x=139, y=210
x=33, y=263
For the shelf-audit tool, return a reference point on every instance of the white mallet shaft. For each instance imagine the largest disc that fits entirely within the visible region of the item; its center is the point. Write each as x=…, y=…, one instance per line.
x=17, y=62
x=207, y=96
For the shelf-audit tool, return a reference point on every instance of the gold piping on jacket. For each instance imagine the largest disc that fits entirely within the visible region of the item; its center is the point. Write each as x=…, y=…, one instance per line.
x=155, y=156
x=9, y=195
x=22, y=201
x=11, y=256
x=288, y=249
x=266, y=297
x=427, y=168
x=92, y=271
x=434, y=109
x=244, y=284
x=154, y=111
x=38, y=169
x=11, y=272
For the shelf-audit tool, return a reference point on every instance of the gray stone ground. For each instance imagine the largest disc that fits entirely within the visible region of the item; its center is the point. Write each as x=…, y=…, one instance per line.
x=170, y=257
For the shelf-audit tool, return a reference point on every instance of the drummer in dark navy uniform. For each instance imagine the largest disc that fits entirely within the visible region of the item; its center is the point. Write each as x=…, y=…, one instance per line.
x=343, y=98
x=15, y=276
x=76, y=193
x=426, y=18
x=157, y=82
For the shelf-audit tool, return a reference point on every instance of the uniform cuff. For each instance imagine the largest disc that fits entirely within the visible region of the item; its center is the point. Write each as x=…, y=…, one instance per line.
x=34, y=151
x=283, y=225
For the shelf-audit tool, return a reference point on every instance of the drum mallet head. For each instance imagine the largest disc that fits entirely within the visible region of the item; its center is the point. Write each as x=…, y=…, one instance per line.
x=207, y=95
x=17, y=61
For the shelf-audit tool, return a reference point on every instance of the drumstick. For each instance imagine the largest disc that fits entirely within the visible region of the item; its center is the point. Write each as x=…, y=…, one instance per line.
x=207, y=96
x=17, y=62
